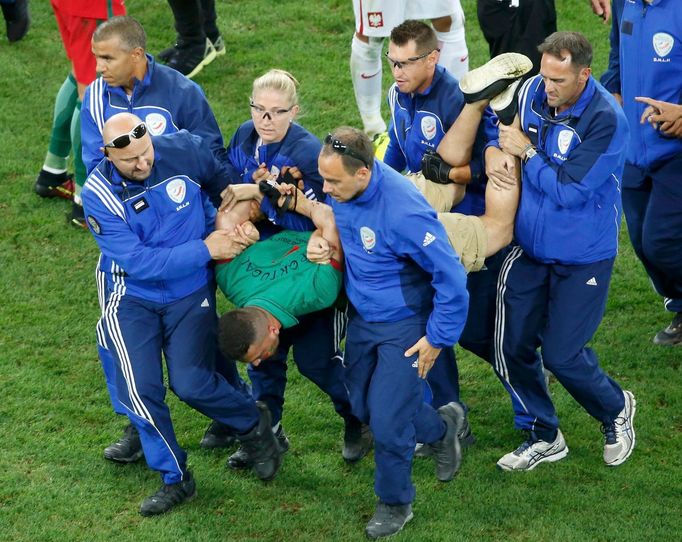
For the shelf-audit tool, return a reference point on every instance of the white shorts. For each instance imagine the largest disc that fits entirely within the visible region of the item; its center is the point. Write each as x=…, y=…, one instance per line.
x=376, y=18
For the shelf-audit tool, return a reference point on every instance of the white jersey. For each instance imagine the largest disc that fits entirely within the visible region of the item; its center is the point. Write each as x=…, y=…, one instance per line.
x=376, y=18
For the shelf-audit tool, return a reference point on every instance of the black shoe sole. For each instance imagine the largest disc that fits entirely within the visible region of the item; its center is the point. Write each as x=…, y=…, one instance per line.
x=125, y=460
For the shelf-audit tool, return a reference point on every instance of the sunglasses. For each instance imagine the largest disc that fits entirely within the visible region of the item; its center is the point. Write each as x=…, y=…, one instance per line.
x=344, y=149
x=122, y=141
x=402, y=64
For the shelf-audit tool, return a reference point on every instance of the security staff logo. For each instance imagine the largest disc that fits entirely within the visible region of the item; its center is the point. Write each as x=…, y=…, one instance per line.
x=156, y=123
x=663, y=43
x=564, y=140
x=94, y=225
x=176, y=190
x=369, y=239
x=429, y=127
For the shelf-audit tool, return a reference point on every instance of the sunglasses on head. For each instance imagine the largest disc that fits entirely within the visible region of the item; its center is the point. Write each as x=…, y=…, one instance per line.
x=342, y=148
x=122, y=141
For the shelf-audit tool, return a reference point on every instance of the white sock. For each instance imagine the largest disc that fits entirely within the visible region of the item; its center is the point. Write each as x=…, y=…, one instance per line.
x=454, y=55
x=365, y=70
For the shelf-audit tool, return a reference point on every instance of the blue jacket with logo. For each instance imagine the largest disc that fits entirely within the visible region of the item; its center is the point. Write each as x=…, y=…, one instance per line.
x=419, y=122
x=299, y=148
x=570, y=205
x=646, y=60
x=165, y=99
x=151, y=233
x=398, y=261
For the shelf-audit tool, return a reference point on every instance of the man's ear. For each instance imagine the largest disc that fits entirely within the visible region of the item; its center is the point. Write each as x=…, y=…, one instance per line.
x=274, y=330
x=584, y=75
x=105, y=151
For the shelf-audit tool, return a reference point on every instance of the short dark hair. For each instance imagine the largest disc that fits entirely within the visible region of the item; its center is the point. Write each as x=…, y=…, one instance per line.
x=421, y=33
x=237, y=331
x=356, y=140
x=126, y=29
x=574, y=42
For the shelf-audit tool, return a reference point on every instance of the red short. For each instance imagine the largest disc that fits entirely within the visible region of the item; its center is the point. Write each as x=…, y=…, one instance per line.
x=76, y=35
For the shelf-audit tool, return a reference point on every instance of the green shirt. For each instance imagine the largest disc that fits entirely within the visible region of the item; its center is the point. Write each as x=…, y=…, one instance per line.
x=275, y=275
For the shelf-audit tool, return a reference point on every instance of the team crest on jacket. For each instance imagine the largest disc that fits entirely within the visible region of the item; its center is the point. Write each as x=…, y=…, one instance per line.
x=156, y=123
x=176, y=190
x=663, y=43
x=429, y=127
x=564, y=140
x=375, y=19
x=368, y=237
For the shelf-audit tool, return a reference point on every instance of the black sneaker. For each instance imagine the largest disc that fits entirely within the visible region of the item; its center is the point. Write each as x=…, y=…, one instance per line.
x=357, y=441
x=169, y=495
x=672, y=335
x=77, y=217
x=447, y=452
x=261, y=448
x=128, y=449
x=17, y=19
x=388, y=520
x=240, y=459
x=189, y=60
x=489, y=80
x=466, y=439
x=217, y=435
x=54, y=185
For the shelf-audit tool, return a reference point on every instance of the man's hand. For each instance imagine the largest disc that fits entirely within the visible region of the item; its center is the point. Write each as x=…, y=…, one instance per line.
x=663, y=116
x=500, y=168
x=427, y=355
x=261, y=174
x=224, y=245
x=238, y=192
x=512, y=140
x=319, y=250
x=602, y=8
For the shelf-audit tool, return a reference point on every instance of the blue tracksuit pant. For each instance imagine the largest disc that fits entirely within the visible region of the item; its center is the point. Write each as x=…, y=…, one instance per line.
x=558, y=307
x=315, y=342
x=185, y=331
x=652, y=201
x=386, y=392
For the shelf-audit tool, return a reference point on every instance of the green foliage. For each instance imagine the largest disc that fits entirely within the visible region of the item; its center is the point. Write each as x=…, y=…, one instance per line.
x=55, y=418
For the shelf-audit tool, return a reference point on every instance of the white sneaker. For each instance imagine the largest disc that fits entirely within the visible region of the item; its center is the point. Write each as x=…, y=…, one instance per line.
x=494, y=76
x=533, y=452
x=619, y=437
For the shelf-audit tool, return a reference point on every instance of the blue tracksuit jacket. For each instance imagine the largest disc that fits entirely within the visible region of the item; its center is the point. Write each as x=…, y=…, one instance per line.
x=398, y=261
x=646, y=60
x=165, y=99
x=151, y=233
x=570, y=205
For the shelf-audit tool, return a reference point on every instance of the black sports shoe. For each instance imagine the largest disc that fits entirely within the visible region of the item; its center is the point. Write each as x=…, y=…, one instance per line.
x=54, y=185
x=127, y=449
x=217, y=435
x=506, y=104
x=447, y=452
x=169, y=495
x=240, y=459
x=671, y=335
x=489, y=80
x=466, y=439
x=263, y=453
x=17, y=19
x=357, y=441
x=388, y=520
x=189, y=60
x=77, y=217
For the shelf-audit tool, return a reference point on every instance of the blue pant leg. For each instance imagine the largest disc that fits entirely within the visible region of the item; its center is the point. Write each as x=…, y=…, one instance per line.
x=523, y=291
x=269, y=379
x=135, y=341
x=577, y=302
x=441, y=385
x=319, y=358
x=190, y=327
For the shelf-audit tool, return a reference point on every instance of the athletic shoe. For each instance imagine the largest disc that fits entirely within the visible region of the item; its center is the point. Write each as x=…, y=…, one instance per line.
x=219, y=46
x=261, y=449
x=466, y=439
x=380, y=142
x=672, y=335
x=619, y=436
x=77, y=217
x=17, y=19
x=127, y=449
x=54, y=185
x=489, y=80
x=357, y=441
x=506, y=104
x=191, y=59
x=240, y=459
x=169, y=495
x=388, y=520
x=447, y=452
x=533, y=452
x=217, y=435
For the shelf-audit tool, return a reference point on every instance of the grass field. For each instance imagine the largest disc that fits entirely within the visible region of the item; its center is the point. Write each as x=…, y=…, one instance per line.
x=55, y=417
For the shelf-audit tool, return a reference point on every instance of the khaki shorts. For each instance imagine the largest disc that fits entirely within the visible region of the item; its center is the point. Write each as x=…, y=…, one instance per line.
x=439, y=196
x=468, y=237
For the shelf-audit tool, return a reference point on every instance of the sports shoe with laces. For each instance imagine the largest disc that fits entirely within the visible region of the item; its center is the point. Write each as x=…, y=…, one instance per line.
x=671, y=335
x=262, y=450
x=388, y=520
x=357, y=441
x=619, y=436
x=466, y=439
x=169, y=495
x=240, y=459
x=506, y=104
x=447, y=452
x=533, y=452
x=54, y=185
x=189, y=60
x=127, y=449
x=217, y=435
x=489, y=80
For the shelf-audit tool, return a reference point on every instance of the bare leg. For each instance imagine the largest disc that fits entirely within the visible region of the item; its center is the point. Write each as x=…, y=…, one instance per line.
x=500, y=211
x=457, y=145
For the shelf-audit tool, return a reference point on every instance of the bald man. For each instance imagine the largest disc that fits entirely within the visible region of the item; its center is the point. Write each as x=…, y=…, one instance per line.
x=144, y=205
